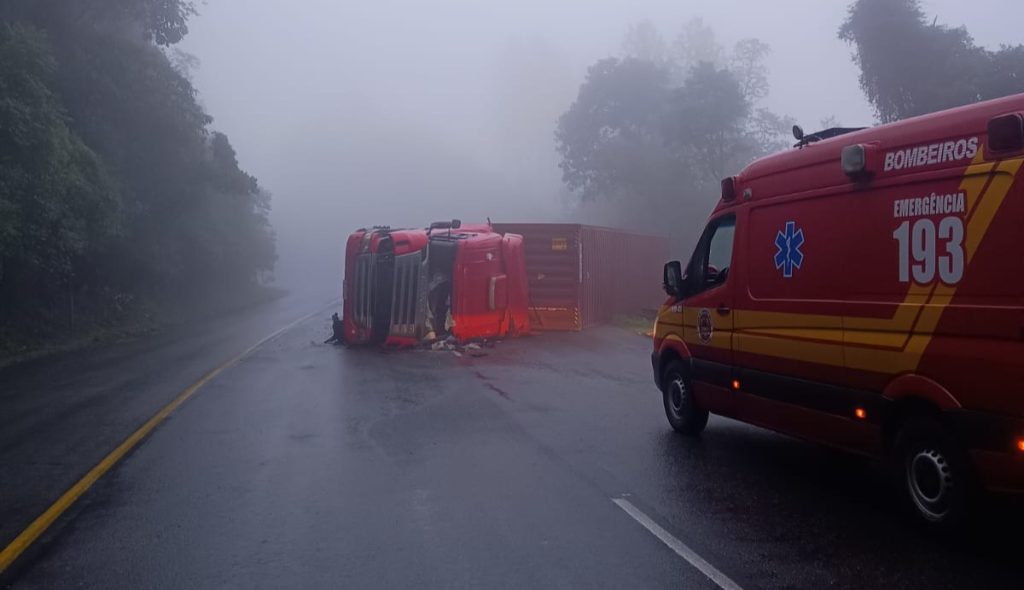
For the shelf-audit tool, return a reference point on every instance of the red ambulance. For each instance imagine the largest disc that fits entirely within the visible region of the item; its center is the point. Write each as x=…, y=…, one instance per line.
x=866, y=291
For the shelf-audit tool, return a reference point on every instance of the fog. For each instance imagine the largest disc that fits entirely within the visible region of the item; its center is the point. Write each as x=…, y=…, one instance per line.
x=403, y=112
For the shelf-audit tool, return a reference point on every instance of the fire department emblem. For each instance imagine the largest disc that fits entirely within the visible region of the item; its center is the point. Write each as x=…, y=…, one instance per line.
x=704, y=326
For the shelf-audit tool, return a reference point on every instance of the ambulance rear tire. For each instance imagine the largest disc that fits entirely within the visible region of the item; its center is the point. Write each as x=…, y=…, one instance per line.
x=934, y=474
x=681, y=407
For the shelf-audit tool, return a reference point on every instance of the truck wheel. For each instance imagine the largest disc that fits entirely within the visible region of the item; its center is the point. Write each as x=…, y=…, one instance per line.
x=681, y=407
x=934, y=474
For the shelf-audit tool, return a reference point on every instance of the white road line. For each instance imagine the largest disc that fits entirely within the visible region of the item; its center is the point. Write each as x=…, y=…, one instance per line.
x=723, y=581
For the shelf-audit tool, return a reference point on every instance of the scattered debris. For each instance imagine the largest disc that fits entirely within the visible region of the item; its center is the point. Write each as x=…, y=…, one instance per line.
x=450, y=344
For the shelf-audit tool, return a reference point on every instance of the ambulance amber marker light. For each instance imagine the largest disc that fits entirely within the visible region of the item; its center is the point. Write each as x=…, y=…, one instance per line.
x=1020, y=445
x=860, y=413
x=736, y=384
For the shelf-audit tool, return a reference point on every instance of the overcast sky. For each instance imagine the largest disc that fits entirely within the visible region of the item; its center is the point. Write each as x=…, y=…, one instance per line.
x=405, y=111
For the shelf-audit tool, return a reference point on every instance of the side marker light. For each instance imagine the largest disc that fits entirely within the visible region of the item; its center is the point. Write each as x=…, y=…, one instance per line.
x=736, y=384
x=860, y=413
x=854, y=160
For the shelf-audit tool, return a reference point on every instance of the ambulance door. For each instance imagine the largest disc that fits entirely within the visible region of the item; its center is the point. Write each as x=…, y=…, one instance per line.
x=788, y=332
x=707, y=309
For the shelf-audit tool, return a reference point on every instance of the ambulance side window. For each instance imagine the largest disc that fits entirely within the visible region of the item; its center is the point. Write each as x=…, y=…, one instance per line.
x=714, y=255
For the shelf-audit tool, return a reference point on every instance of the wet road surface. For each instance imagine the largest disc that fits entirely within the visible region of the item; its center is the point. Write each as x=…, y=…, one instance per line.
x=314, y=466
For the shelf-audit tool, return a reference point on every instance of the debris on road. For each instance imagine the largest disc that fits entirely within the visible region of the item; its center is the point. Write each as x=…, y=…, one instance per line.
x=473, y=349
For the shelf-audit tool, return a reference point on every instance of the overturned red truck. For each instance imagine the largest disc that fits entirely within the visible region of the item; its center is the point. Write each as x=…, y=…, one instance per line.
x=406, y=286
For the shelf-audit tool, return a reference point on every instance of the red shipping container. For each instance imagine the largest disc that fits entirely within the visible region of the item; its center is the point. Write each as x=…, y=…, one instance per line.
x=582, y=275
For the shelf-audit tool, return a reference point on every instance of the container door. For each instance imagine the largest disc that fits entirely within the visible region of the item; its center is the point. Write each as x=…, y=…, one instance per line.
x=708, y=315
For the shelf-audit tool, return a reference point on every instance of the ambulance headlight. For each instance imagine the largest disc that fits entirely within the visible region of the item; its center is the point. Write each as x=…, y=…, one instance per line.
x=855, y=159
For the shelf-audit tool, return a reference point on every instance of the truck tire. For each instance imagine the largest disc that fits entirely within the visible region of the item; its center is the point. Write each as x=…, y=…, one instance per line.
x=934, y=475
x=681, y=408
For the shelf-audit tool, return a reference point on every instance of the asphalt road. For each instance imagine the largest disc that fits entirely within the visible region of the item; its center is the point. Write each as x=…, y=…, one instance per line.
x=313, y=466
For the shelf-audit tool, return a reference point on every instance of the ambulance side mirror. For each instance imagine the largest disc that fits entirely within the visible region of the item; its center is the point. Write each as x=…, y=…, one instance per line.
x=673, y=279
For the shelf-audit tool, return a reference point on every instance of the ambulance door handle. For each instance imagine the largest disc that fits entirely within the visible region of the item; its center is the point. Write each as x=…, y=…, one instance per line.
x=723, y=309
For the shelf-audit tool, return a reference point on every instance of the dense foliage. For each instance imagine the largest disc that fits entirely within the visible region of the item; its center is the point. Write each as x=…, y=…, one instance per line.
x=113, y=187
x=654, y=132
x=910, y=66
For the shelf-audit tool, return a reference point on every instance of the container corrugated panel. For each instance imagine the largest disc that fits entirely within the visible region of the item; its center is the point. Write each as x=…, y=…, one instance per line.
x=581, y=275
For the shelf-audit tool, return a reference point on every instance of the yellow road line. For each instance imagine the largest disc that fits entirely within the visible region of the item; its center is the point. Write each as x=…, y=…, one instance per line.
x=43, y=522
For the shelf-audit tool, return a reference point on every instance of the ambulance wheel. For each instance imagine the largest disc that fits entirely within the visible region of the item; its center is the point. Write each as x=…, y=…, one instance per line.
x=681, y=407
x=934, y=474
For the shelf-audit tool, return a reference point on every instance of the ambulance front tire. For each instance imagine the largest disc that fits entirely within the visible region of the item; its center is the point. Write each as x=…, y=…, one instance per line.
x=934, y=475
x=681, y=408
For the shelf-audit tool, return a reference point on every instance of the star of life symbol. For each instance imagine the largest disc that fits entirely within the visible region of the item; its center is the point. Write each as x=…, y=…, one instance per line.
x=788, y=243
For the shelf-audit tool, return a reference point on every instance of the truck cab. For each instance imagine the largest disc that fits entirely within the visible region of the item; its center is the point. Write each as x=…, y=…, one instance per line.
x=407, y=286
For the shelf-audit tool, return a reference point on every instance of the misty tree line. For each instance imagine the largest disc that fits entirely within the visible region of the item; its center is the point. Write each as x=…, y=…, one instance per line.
x=653, y=131
x=114, y=191
x=912, y=66
x=656, y=129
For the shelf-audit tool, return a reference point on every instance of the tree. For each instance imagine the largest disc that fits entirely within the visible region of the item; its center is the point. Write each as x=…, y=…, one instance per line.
x=770, y=132
x=1005, y=72
x=621, y=106
x=139, y=111
x=643, y=41
x=654, y=138
x=56, y=199
x=237, y=238
x=747, y=64
x=697, y=43
x=164, y=22
x=910, y=66
x=635, y=138
x=113, y=186
x=707, y=122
